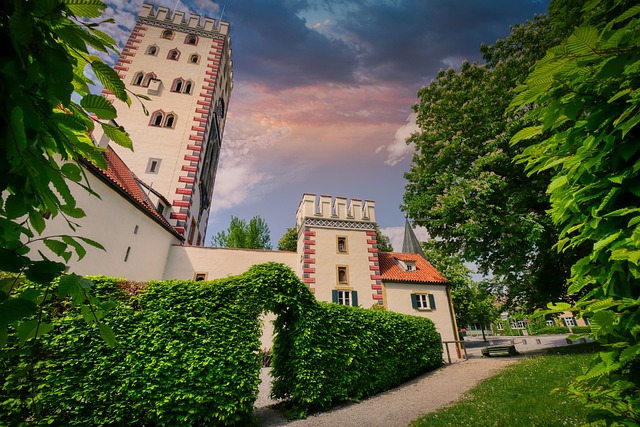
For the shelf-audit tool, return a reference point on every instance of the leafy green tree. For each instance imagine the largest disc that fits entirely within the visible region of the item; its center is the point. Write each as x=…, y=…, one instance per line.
x=483, y=307
x=289, y=241
x=587, y=111
x=254, y=235
x=384, y=244
x=462, y=184
x=44, y=134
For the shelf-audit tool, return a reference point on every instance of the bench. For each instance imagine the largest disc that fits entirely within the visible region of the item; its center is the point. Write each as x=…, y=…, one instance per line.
x=500, y=350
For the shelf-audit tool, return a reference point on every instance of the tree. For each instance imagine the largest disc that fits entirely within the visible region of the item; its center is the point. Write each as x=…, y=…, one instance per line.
x=289, y=241
x=583, y=97
x=44, y=132
x=472, y=301
x=254, y=235
x=384, y=244
x=462, y=184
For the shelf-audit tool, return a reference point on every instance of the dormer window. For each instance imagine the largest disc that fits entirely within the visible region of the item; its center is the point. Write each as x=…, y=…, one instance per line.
x=407, y=265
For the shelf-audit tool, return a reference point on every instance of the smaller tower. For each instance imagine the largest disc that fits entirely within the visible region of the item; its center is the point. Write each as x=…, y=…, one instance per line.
x=338, y=250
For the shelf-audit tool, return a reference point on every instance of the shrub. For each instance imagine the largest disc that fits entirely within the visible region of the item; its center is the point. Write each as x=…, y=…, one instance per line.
x=579, y=330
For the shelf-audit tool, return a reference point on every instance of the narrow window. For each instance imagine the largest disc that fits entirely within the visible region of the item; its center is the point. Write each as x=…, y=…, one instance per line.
x=169, y=121
x=193, y=59
x=177, y=85
x=220, y=108
x=137, y=80
x=157, y=119
x=126, y=256
x=153, y=165
x=174, y=54
x=148, y=78
x=135, y=230
x=152, y=50
x=167, y=34
x=191, y=39
x=187, y=87
x=342, y=245
x=342, y=275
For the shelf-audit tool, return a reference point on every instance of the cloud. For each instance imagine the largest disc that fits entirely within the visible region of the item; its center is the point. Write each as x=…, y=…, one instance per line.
x=398, y=150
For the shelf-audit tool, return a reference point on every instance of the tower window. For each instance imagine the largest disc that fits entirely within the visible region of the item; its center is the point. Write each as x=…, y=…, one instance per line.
x=343, y=276
x=168, y=123
x=191, y=39
x=153, y=166
x=148, y=78
x=194, y=59
x=167, y=34
x=220, y=108
x=177, y=85
x=138, y=78
x=152, y=50
x=187, y=87
x=156, y=119
x=198, y=277
x=173, y=54
x=342, y=245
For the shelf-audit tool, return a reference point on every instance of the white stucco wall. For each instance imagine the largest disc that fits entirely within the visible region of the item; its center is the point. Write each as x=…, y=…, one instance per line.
x=111, y=221
x=184, y=261
x=397, y=297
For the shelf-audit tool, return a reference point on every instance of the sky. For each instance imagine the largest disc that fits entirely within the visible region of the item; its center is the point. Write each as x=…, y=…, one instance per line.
x=323, y=95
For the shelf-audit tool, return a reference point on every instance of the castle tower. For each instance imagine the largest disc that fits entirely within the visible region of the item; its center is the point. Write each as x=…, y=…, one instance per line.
x=183, y=64
x=338, y=250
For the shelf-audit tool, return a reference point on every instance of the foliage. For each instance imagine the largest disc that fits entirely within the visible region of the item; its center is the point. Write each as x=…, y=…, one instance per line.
x=463, y=185
x=580, y=330
x=587, y=109
x=519, y=396
x=289, y=241
x=340, y=353
x=189, y=353
x=384, y=244
x=44, y=133
x=254, y=235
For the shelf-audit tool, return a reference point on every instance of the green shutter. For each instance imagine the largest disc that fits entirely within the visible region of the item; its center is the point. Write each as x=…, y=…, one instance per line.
x=564, y=321
x=354, y=298
x=334, y=296
x=432, y=302
x=414, y=301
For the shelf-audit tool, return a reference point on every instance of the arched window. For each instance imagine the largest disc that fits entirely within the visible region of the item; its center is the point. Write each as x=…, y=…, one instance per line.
x=188, y=86
x=191, y=39
x=177, y=85
x=148, y=78
x=152, y=50
x=174, y=54
x=194, y=59
x=156, y=118
x=167, y=34
x=169, y=121
x=138, y=78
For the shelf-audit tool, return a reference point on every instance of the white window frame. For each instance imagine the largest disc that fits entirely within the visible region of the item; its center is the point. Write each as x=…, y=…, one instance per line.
x=344, y=297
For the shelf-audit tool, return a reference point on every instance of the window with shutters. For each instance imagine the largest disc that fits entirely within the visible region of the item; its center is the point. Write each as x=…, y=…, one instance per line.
x=345, y=297
x=569, y=322
x=423, y=301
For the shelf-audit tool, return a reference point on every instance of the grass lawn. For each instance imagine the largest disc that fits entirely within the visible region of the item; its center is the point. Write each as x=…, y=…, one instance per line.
x=520, y=396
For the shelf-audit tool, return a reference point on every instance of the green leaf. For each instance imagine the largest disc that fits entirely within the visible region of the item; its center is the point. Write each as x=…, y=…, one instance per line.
x=632, y=11
x=583, y=42
x=107, y=334
x=92, y=243
x=32, y=329
x=85, y=8
x=57, y=247
x=12, y=262
x=44, y=272
x=74, y=286
x=526, y=133
x=16, y=128
x=80, y=250
x=118, y=135
x=110, y=79
x=72, y=172
x=99, y=106
x=37, y=221
x=15, y=309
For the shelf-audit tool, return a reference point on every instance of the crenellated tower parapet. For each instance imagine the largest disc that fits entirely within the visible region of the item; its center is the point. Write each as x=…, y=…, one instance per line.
x=331, y=211
x=162, y=17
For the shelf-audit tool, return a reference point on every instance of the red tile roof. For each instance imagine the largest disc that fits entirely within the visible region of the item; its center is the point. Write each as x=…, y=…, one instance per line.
x=120, y=176
x=392, y=271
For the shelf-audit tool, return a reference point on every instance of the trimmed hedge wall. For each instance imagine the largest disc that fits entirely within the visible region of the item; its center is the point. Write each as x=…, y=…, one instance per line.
x=189, y=354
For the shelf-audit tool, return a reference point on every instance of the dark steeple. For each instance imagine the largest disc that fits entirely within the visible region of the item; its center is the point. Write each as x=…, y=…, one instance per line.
x=410, y=244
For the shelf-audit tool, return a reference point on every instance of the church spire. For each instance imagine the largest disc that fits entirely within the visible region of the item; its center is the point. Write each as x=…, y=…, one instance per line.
x=410, y=244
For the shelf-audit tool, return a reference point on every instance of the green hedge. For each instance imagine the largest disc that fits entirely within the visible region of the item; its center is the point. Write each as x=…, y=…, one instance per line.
x=578, y=330
x=189, y=354
x=552, y=330
x=338, y=353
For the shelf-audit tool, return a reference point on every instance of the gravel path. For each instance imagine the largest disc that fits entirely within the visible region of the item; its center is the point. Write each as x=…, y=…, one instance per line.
x=397, y=407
